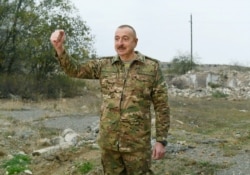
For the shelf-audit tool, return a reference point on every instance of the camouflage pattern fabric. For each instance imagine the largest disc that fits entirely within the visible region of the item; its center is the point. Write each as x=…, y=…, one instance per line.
x=136, y=163
x=125, y=123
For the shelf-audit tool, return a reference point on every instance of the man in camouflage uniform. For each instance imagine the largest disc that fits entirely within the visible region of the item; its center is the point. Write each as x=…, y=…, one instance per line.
x=130, y=83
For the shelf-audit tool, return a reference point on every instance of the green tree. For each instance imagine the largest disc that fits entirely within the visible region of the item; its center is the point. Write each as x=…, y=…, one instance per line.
x=27, y=63
x=181, y=64
x=26, y=26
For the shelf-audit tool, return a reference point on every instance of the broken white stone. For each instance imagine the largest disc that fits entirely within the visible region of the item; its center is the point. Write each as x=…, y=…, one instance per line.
x=27, y=172
x=70, y=138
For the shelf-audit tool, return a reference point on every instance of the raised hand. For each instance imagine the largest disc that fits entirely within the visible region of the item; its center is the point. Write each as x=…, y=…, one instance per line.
x=57, y=39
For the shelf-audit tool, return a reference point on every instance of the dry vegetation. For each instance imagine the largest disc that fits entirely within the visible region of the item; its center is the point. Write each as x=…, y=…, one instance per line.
x=206, y=135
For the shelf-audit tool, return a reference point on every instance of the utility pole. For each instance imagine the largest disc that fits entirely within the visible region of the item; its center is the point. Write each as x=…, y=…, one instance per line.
x=191, y=31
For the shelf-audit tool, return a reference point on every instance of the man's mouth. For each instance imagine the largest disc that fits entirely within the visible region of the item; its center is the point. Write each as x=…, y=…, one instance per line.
x=121, y=48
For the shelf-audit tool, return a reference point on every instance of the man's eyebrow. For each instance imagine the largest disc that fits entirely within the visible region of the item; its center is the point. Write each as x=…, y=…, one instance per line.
x=116, y=36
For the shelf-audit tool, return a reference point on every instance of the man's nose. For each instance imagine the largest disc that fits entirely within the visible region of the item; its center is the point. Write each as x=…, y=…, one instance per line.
x=119, y=42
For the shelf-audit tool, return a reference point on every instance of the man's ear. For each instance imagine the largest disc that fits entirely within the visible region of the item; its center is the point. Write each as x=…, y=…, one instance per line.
x=136, y=41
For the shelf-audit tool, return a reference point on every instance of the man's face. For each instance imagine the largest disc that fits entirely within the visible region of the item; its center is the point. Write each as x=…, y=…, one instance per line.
x=125, y=41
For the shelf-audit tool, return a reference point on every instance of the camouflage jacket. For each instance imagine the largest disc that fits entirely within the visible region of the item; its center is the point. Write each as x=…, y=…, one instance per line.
x=125, y=122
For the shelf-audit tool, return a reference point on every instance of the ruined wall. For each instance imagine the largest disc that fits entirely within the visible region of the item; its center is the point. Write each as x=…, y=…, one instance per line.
x=203, y=83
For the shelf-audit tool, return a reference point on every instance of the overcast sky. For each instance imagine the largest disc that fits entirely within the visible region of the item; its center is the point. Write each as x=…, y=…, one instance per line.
x=221, y=28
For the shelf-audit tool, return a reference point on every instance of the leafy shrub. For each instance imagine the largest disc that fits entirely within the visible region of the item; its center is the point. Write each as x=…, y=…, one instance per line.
x=218, y=94
x=29, y=87
x=181, y=64
x=213, y=85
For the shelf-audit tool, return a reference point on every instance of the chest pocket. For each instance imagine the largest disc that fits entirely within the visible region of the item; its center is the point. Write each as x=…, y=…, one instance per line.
x=110, y=80
x=143, y=78
x=142, y=83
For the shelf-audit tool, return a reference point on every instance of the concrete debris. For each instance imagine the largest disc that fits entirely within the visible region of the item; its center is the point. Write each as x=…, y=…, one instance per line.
x=233, y=84
x=69, y=138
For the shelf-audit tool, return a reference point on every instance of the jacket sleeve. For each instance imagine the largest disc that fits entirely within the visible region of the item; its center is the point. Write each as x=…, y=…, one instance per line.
x=161, y=106
x=86, y=70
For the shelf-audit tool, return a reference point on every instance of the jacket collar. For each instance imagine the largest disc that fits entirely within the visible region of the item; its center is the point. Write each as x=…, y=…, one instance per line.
x=140, y=58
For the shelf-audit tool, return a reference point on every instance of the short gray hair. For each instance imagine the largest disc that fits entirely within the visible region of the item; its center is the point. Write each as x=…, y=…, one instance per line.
x=128, y=26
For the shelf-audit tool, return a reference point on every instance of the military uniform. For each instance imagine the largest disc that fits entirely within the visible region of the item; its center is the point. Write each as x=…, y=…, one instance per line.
x=125, y=123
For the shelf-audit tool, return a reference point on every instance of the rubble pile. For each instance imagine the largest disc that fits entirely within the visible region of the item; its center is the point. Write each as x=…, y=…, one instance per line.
x=233, y=84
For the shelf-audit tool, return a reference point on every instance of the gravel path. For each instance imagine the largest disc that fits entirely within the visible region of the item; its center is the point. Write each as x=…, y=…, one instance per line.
x=77, y=122
x=241, y=165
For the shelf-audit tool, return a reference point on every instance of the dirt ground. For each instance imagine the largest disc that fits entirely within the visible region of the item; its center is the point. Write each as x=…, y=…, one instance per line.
x=25, y=125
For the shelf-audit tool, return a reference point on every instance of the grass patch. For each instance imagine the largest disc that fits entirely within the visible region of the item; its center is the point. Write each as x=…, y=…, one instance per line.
x=230, y=149
x=210, y=116
x=213, y=118
x=19, y=163
x=186, y=166
x=84, y=167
